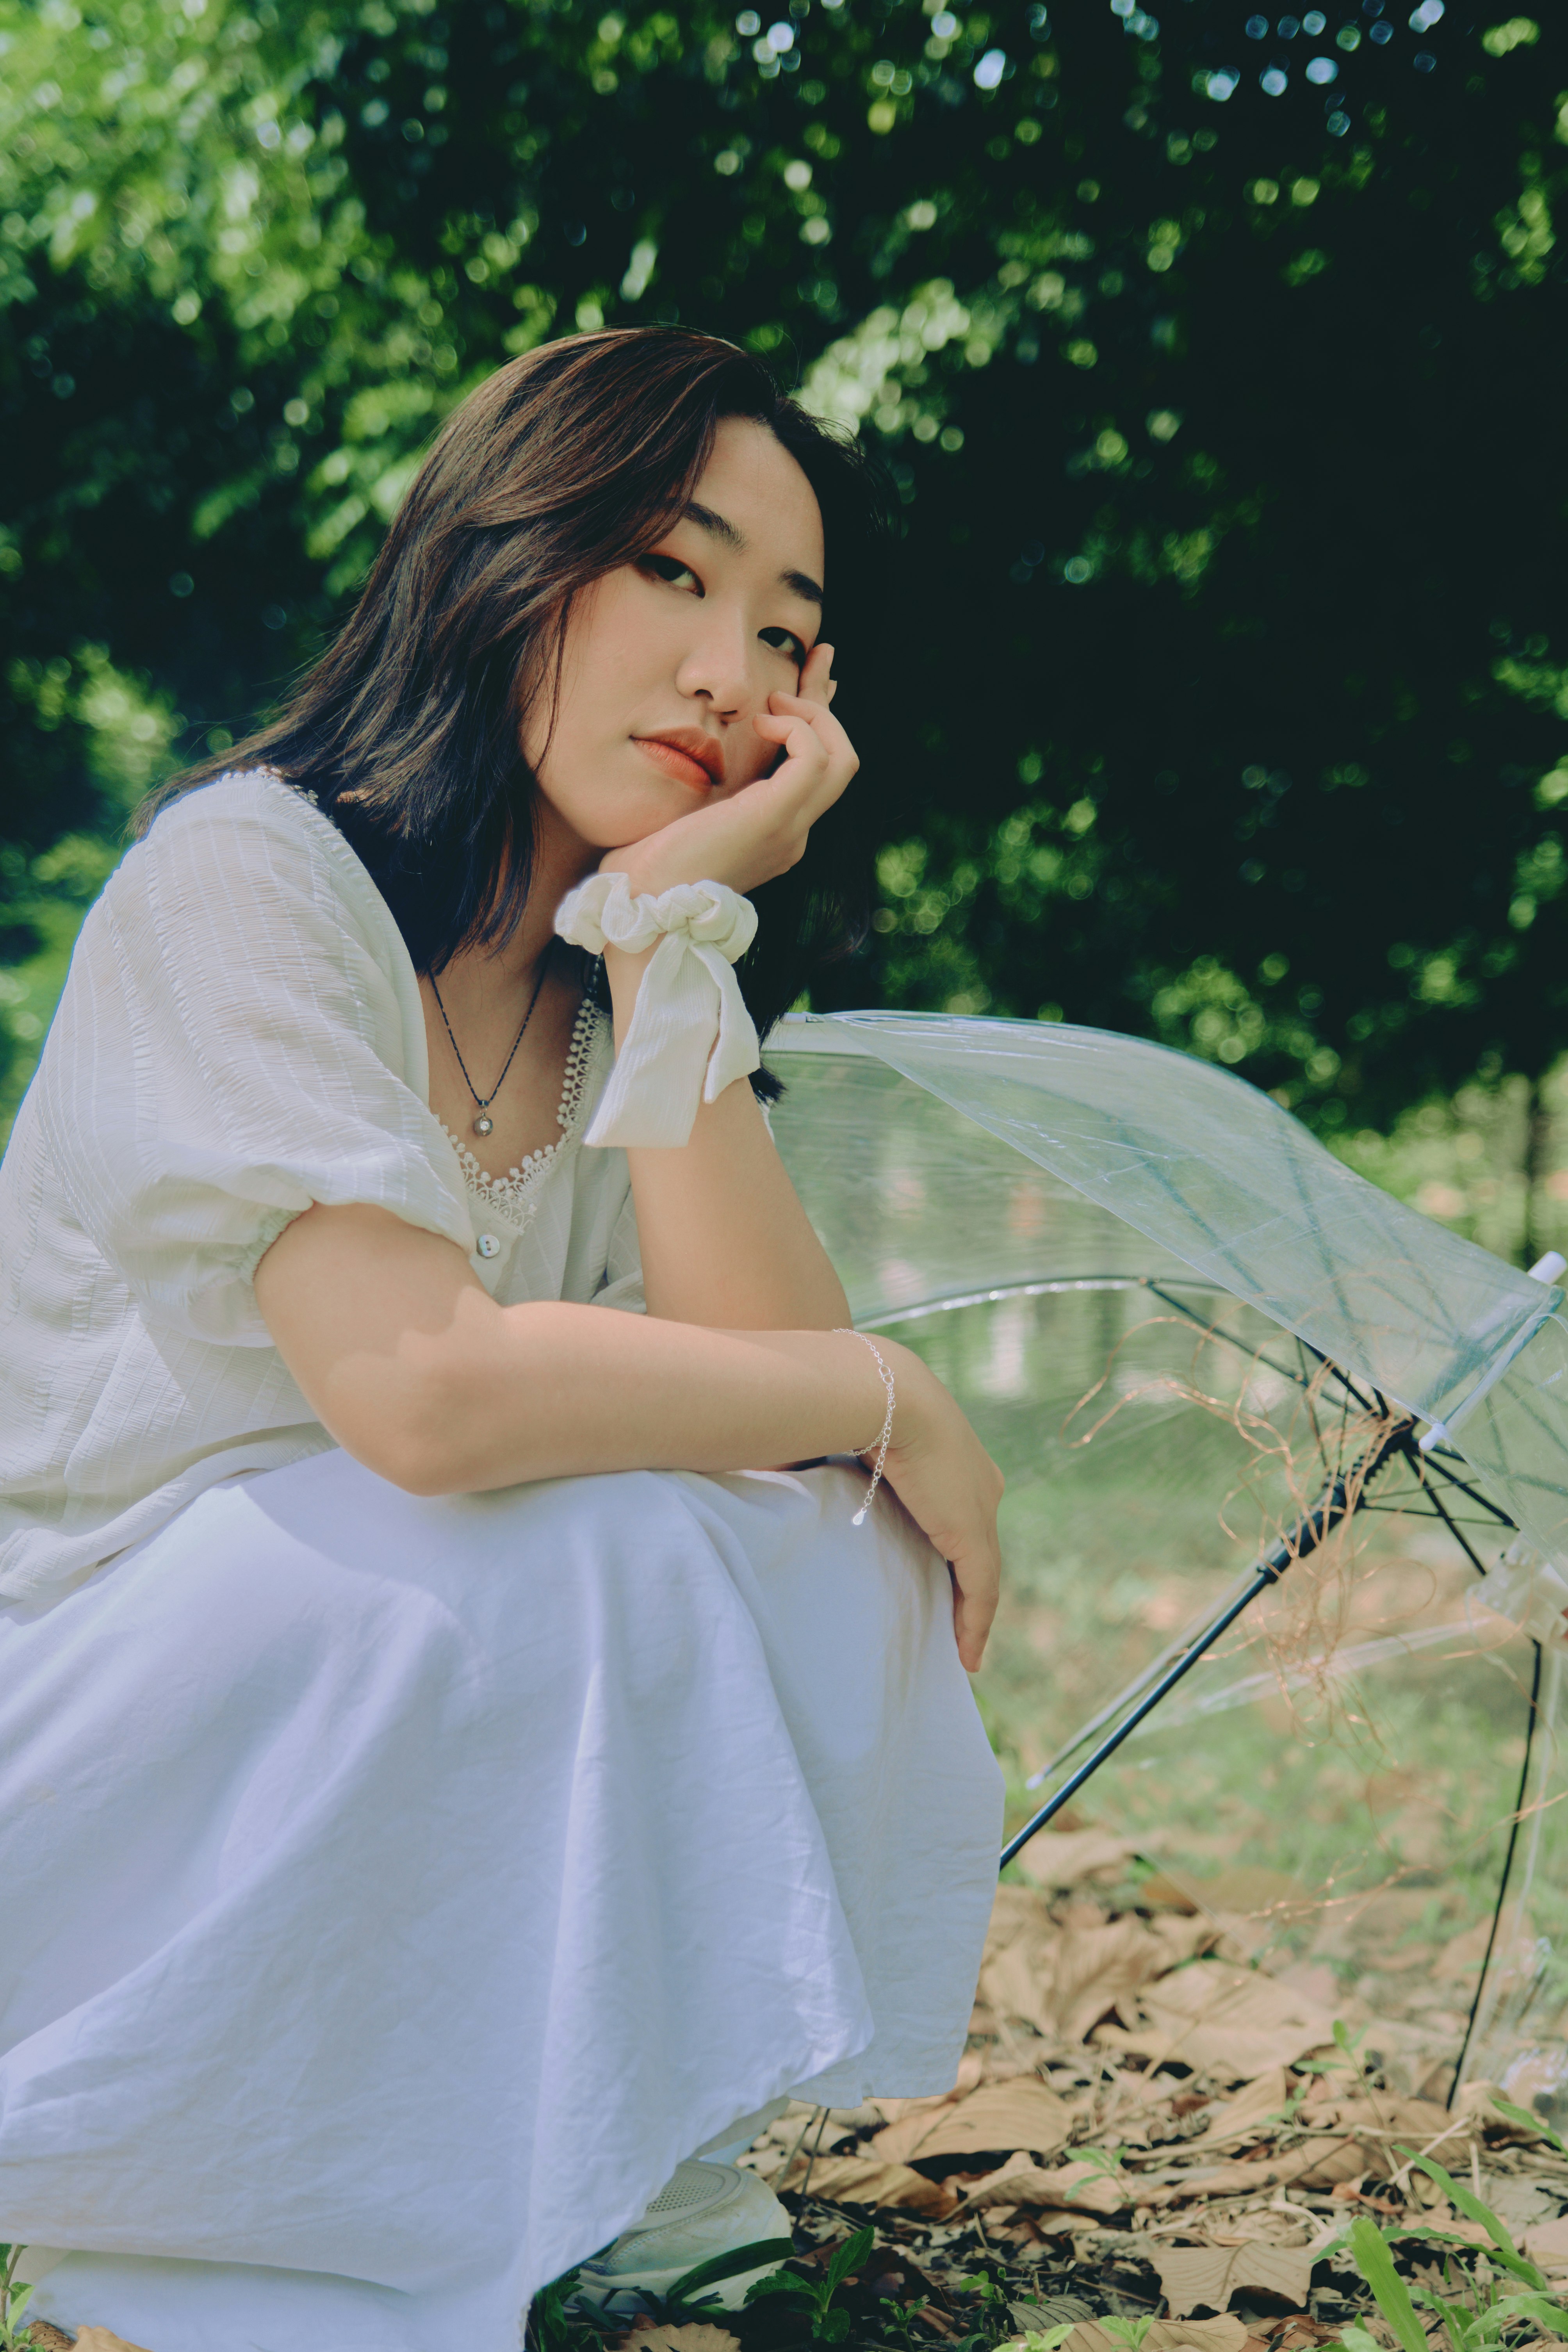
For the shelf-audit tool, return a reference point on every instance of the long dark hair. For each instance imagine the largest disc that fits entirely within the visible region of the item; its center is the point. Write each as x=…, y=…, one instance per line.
x=562, y=465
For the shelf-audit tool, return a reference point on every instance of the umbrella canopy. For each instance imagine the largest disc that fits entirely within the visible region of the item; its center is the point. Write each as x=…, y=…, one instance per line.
x=1224, y=1182
x=1133, y=1268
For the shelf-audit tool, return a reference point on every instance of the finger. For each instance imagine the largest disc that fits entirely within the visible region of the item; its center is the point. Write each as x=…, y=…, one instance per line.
x=812, y=737
x=816, y=674
x=813, y=773
x=976, y=1588
x=817, y=716
x=969, y=1636
x=793, y=728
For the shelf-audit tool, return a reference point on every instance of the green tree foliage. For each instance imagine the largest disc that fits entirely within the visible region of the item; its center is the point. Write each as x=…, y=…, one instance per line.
x=1223, y=391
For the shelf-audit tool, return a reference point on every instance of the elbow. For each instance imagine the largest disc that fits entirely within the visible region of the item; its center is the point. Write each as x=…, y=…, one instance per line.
x=404, y=1457
x=427, y=1473
x=413, y=1432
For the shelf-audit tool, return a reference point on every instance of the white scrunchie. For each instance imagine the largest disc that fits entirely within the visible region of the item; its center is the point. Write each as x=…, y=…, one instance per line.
x=690, y=1034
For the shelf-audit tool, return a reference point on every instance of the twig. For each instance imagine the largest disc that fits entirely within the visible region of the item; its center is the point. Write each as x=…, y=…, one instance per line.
x=816, y=2150
x=799, y=2143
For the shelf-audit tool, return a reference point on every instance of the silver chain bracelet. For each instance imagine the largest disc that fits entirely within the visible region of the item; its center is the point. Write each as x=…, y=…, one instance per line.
x=882, y=1442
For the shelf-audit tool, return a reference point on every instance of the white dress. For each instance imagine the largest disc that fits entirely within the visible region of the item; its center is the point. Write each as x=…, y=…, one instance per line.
x=396, y=1890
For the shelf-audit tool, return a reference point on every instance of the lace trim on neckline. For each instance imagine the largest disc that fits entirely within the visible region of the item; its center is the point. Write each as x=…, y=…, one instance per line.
x=515, y=1196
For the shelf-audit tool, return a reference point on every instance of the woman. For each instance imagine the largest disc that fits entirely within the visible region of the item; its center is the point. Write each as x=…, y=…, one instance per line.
x=445, y=1786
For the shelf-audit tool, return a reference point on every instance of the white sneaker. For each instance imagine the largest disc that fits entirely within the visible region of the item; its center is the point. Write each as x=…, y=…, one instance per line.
x=702, y=2211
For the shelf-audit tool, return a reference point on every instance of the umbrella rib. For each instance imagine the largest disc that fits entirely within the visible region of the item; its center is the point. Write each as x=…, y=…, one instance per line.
x=1452, y=1525
x=1217, y=1331
x=1493, y=1509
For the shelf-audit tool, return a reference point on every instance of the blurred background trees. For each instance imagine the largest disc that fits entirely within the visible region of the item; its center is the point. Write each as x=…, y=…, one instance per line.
x=1219, y=361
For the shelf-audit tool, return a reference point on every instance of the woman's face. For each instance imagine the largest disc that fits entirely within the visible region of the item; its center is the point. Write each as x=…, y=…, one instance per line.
x=668, y=660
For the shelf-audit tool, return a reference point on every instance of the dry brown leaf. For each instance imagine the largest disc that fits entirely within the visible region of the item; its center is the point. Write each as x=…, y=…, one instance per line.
x=44, y=2338
x=1018, y=2114
x=1062, y=1980
x=1207, y=2180
x=1253, y=2105
x=696, y=2337
x=1315, y=2163
x=866, y=2180
x=1016, y=1910
x=1183, y=1939
x=900, y=2111
x=1212, y=2274
x=1076, y=2188
x=1323, y=2161
x=1065, y=1857
x=1224, y=2335
x=1026, y=2186
x=1018, y=2181
x=99, y=2339
x=1097, y=1968
x=1359, y=2136
x=1546, y=2243
x=1231, y=2021
x=1385, y=2124
x=898, y=2141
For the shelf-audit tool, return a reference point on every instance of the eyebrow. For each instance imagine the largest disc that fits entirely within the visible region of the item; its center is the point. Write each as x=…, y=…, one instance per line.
x=721, y=527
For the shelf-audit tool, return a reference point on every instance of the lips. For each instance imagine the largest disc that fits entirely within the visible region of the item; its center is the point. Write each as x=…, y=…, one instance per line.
x=686, y=754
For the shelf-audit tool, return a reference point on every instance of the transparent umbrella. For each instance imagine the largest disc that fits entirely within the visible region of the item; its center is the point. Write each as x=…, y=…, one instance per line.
x=1269, y=1434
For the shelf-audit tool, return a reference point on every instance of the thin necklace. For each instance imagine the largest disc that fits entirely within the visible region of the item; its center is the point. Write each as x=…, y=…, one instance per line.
x=484, y=1124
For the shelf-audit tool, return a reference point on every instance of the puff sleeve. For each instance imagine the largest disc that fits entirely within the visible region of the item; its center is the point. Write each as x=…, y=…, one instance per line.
x=242, y=1036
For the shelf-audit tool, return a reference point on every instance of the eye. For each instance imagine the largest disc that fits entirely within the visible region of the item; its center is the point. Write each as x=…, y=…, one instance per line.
x=667, y=567
x=785, y=641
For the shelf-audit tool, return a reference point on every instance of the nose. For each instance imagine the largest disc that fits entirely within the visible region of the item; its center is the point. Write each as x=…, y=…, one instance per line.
x=717, y=668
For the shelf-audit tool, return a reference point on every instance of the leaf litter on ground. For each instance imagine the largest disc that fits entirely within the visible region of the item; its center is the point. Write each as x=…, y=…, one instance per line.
x=1155, y=2143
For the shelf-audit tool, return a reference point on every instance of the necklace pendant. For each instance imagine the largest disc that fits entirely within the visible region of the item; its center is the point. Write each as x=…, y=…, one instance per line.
x=484, y=1124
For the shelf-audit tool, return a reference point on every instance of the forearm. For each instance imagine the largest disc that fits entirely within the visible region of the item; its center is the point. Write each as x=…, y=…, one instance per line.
x=564, y=1391
x=723, y=1238
x=417, y=1372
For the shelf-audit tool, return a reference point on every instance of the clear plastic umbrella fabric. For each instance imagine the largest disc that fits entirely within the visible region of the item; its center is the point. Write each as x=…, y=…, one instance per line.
x=1177, y=1321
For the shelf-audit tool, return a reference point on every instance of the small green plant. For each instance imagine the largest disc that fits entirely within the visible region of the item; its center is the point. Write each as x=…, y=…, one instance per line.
x=1104, y=2163
x=1478, y=2314
x=899, y=2315
x=14, y=2299
x=988, y=2289
x=1128, y=2332
x=1347, y=2045
x=552, y=2327
x=829, y=2324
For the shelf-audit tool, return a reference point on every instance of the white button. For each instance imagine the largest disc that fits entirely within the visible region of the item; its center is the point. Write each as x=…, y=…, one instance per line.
x=488, y=1246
